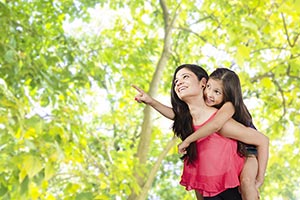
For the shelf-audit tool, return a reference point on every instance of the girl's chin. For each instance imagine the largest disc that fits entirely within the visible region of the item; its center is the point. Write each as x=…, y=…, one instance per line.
x=209, y=103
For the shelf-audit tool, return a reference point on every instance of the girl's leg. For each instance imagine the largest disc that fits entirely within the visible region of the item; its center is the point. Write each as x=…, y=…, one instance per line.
x=247, y=179
x=198, y=195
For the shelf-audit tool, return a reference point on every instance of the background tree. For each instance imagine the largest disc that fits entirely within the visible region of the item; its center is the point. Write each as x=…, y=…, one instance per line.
x=70, y=128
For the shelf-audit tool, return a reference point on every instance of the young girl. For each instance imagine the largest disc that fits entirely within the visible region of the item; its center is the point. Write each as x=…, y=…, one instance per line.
x=216, y=94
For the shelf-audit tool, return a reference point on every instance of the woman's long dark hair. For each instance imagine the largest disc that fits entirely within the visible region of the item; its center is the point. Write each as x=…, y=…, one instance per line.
x=233, y=93
x=183, y=121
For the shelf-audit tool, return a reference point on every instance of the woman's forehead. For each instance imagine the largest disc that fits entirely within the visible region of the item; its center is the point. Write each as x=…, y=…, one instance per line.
x=183, y=71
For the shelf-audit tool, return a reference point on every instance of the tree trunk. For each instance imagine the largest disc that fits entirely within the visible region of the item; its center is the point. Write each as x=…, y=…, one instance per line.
x=145, y=139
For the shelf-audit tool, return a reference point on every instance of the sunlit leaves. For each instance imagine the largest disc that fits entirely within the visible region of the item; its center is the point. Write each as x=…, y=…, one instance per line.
x=64, y=138
x=242, y=54
x=32, y=165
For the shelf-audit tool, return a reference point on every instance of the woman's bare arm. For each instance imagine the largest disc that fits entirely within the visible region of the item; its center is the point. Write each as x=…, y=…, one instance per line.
x=221, y=117
x=143, y=97
x=237, y=131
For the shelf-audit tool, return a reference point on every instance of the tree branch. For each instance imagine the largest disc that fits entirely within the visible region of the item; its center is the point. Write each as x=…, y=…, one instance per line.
x=272, y=77
x=286, y=31
x=288, y=72
x=155, y=168
x=190, y=31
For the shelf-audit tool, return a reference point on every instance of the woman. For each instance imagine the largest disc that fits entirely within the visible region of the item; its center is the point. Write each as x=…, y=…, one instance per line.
x=212, y=165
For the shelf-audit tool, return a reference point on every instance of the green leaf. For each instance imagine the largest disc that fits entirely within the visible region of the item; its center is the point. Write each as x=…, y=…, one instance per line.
x=10, y=56
x=49, y=171
x=32, y=165
x=266, y=83
x=3, y=190
x=25, y=186
x=84, y=196
x=242, y=54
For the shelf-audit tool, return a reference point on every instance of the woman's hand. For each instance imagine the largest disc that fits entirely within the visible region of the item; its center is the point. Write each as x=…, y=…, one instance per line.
x=142, y=96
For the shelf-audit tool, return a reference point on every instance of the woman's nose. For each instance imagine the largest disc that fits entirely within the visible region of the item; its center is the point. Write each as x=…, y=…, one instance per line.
x=179, y=82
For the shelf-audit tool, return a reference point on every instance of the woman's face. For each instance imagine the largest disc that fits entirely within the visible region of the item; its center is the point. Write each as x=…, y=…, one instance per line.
x=213, y=93
x=186, y=84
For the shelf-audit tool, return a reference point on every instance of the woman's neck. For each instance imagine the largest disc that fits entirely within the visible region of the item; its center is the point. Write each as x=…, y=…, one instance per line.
x=200, y=112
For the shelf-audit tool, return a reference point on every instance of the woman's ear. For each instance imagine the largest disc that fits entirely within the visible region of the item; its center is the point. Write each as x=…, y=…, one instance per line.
x=203, y=82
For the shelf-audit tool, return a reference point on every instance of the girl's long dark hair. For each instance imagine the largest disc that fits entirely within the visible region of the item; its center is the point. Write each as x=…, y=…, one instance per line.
x=233, y=93
x=183, y=121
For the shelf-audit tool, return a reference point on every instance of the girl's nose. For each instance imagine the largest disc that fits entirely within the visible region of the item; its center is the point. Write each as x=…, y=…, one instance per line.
x=208, y=93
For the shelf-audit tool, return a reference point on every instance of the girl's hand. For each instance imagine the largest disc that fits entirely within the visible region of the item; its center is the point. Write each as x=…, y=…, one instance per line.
x=142, y=96
x=258, y=183
x=182, y=147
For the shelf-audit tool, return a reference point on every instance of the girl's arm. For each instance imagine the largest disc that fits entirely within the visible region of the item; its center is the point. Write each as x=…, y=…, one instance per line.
x=237, y=131
x=143, y=97
x=222, y=116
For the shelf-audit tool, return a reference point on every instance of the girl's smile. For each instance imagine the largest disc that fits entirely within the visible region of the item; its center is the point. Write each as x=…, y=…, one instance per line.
x=213, y=92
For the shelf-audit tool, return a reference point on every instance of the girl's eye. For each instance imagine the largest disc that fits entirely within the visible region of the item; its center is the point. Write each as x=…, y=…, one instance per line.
x=218, y=92
x=176, y=81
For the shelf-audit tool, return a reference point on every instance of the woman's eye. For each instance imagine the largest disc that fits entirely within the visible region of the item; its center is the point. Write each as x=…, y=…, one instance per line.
x=185, y=76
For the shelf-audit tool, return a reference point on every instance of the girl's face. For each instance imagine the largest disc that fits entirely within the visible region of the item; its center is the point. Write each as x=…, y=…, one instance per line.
x=213, y=92
x=186, y=83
